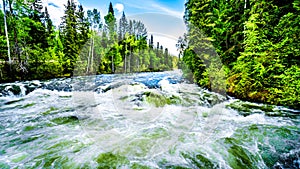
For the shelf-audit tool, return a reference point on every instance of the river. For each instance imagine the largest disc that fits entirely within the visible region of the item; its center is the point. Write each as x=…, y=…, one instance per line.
x=143, y=120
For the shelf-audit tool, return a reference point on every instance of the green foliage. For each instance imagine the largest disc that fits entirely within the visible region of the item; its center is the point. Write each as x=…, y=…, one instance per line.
x=257, y=42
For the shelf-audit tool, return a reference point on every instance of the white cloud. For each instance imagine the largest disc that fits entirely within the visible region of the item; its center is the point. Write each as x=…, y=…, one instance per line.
x=168, y=11
x=56, y=9
x=166, y=41
x=119, y=7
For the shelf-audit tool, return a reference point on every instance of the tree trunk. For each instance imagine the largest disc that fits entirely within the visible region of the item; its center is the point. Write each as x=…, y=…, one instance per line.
x=88, y=61
x=138, y=60
x=17, y=51
x=6, y=34
x=93, y=47
x=245, y=7
x=129, y=60
x=125, y=63
x=112, y=64
x=124, y=60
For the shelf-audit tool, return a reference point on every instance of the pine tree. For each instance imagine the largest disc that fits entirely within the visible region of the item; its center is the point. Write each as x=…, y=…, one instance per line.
x=82, y=25
x=110, y=22
x=123, y=27
x=69, y=38
x=48, y=22
x=111, y=9
x=151, y=42
x=37, y=33
x=166, y=57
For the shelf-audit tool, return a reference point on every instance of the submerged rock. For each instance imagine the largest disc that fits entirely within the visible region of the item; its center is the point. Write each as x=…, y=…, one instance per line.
x=199, y=161
x=274, y=144
x=110, y=160
x=248, y=108
x=65, y=120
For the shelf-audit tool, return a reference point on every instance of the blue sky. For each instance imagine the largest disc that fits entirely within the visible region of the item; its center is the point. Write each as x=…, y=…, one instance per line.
x=132, y=7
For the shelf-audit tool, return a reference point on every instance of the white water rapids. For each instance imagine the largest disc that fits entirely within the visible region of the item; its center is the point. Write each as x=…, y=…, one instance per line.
x=146, y=120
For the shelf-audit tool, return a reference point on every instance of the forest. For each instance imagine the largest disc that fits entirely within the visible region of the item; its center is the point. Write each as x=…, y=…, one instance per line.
x=257, y=43
x=31, y=47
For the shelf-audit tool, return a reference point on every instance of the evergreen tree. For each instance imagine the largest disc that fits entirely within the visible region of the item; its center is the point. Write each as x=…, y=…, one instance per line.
x=70, y=37
x=37, y=31
x=123, y=27
x=151, y=42
x=48, y=22
x=82, y=27
x=166, y=58
x=110, y=22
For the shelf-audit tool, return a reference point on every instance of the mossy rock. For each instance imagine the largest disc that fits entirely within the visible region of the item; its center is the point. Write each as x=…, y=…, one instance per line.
x=157, y=99
x=65, y=120
x=16, y=90
x=111, y=161
x=205, y=114
x=200, y=161
x=247, y=108
x=138, y=166
x=281, y=140
x=55, y=161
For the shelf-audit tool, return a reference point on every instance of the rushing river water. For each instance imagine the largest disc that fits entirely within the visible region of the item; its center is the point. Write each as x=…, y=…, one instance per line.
x=146, y=120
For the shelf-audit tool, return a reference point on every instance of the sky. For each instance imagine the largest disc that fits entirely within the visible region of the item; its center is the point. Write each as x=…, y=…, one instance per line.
x=133, y=7
x=162, y=18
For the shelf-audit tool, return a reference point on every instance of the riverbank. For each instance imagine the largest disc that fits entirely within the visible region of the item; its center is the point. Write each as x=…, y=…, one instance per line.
x=256, y=42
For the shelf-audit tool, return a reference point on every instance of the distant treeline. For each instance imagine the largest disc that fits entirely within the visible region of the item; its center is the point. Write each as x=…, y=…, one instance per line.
x=83, y=44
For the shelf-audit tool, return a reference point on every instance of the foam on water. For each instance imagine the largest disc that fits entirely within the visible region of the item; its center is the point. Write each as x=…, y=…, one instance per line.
x=150, y=119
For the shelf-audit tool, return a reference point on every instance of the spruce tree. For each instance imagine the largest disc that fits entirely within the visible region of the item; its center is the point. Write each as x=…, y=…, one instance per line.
x=110, y=22
x=48, y=22
x=123, y=27
x=82, y=26
x=69, y=38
